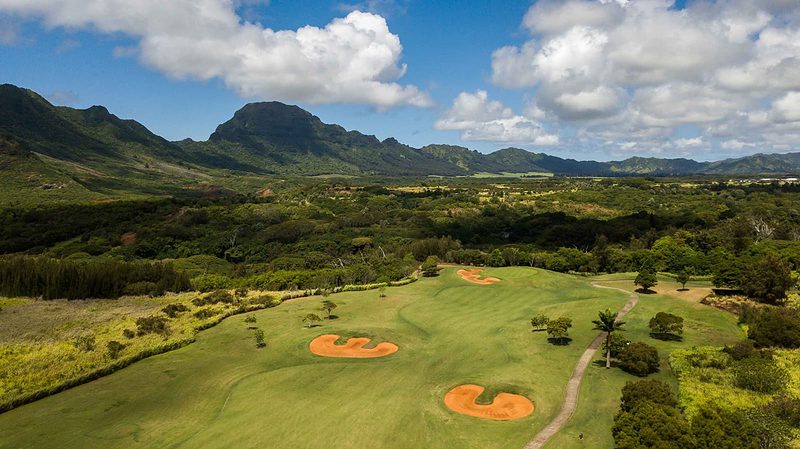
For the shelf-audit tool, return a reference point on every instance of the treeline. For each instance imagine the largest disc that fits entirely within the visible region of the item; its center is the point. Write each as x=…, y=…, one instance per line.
x=71, y=279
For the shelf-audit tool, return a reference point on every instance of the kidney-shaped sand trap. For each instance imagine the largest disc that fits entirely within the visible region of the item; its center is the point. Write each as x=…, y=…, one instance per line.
x=505, y=407
x=474, y=275
x=325, y=346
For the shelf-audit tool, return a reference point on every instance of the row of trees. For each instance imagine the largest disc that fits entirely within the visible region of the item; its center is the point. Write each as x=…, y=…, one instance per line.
x=56, y=278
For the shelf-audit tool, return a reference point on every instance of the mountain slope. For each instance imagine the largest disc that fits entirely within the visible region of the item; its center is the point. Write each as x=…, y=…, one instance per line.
x=276, y=138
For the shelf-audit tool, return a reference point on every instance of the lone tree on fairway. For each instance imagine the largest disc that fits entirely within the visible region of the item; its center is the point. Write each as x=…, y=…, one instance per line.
x=666, y=325
x=607, y=322
x=310, y=319
x=646, y=279
x=682, y=278
x=539, y=322
x=430, y=267
x=328, y=306
x=558, y=330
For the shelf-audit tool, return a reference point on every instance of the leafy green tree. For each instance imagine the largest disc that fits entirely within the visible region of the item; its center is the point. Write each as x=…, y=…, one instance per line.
x=558, y=330
x=430, y=267
x=328, y=306
x=539, y=322
x=601, y=253
x=617, y=343
x=666, y=325
x=607, y=322
x=495, y=259
x=767, y=280
x=650, y=425
x=646, y=279
x=639, y=359
x=259, y=336
x=715, y=428
x=683, y=277
x=310, y=319
x=655, y=391
x=774, y=326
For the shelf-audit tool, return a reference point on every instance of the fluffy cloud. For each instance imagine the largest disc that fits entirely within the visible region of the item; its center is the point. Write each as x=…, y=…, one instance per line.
x=622, y=72
x=480, y=118
x=355, y=59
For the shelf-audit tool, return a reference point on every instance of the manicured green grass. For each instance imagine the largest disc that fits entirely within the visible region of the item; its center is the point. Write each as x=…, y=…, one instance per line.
x=223, y=392
x=600, y=392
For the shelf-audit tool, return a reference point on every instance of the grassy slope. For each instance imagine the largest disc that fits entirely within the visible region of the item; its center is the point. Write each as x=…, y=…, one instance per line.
x=221, y=391
x=599, y=397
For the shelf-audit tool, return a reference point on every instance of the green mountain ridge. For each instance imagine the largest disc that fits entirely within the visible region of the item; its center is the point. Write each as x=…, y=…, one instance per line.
x=272, y=138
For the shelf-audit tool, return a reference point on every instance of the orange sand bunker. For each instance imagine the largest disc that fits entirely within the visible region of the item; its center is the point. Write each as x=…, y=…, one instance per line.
x=325, y=346
x=505, y=407
x=474, y=275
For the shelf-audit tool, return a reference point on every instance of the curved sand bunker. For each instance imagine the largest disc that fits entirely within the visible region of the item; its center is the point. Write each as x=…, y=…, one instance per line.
x=325, y=346
x=505, y=407
x=474, y=275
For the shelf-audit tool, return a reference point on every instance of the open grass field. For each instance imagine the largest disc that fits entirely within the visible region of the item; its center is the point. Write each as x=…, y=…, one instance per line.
x=221, y=391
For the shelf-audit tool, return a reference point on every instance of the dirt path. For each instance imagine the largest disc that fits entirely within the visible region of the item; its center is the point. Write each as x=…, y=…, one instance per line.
x=574, y=385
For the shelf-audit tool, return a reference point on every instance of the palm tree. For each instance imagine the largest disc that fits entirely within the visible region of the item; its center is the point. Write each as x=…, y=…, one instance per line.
x=607, y=322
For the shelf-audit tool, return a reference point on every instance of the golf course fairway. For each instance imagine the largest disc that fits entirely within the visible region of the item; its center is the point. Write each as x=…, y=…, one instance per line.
x=222, y=391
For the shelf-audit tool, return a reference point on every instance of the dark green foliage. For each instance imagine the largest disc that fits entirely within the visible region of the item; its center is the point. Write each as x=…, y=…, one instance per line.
x=617, y=343
x=128, y=333
x=772, y=326
x=760, y=375
x=742, y=350
x=650, y=425
x=241, y=292
x=683, y=277
x=717, y=428
x=215, y=297
x=84, y=343
x=637, y=392
x=646, y=279
x=639, y=359
x=558, y=330
x=114, y=348
x=767, y=279
x=328, y=306
x=666, y=324
x=786, y=408
x=52, y=278
x=259, y=336
x=152, y=325
x=539, y=322
x=250, y=319
x=172, y=310
x=203, y=314
x=143, y=288
x=311, y=319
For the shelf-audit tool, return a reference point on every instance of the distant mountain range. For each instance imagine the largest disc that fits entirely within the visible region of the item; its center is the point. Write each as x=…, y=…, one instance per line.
x=277, y=139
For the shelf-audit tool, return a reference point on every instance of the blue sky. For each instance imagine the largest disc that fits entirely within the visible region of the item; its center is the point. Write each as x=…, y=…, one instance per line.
x=577, y=78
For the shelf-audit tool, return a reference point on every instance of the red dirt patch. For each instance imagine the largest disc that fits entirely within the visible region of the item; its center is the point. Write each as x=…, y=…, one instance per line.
x=325, y=346
x=474, y=276
x=505, y=407
x=128, y=238
x=265, y=192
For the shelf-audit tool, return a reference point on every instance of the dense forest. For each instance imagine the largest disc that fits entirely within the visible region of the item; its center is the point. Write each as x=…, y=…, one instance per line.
x=316, y=233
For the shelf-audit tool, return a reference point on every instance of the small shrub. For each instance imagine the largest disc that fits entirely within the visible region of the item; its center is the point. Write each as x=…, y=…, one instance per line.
x=152, y=325
x=666, y=325
x=172, y=310
x=539, y=322
x=143, y=288
x=639, y=359
x=774, y=326
x=202, y=314
x=706, y=359
x=241, y=292
x=259, y=335
x=128, y=333
x=84, y=343
x=760, y=375
x=250, y=319
x=219, y=296
x=114, y=348
x=745, y=350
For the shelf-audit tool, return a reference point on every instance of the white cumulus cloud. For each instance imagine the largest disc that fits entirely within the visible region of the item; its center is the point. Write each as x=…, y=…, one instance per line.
x=480, y=118
x=354, y=59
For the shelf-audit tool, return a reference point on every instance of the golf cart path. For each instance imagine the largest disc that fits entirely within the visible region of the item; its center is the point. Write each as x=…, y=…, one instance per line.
x=574, y=385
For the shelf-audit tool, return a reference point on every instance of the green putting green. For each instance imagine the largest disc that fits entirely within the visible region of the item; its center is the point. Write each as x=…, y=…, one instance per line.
x=224, y=392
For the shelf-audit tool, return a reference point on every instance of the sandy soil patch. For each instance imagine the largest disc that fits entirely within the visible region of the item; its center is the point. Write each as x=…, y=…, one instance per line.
x=505, y=407
x=325, y=346
x=474, y=276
